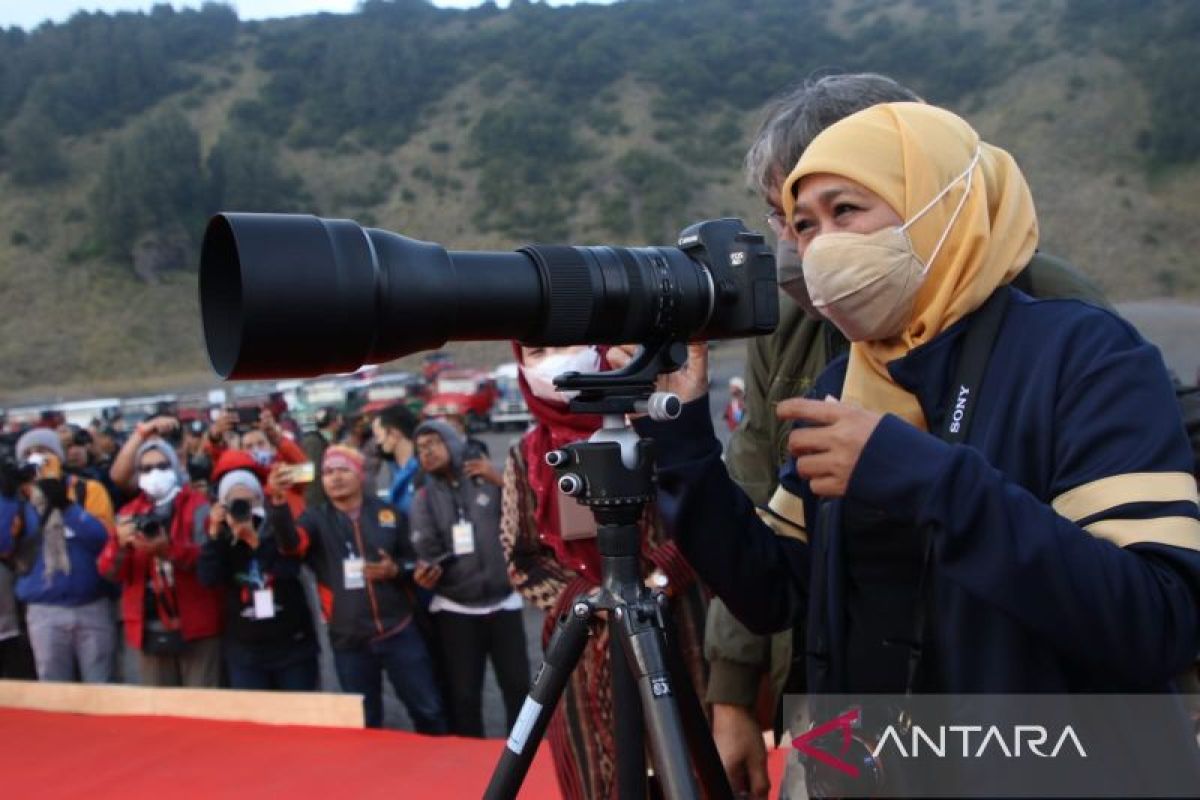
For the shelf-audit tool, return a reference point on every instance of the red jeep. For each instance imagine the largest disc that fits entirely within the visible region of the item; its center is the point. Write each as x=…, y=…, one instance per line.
x=469, y=393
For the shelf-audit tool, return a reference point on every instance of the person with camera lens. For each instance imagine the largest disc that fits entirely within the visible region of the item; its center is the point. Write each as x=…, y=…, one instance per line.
x=43, y=449
x=171, y=619
x=358, y=548
x=900, y=543
x=456, y=532
x=782, y=365
x=549, y=542
x=268, y=641
x=69, y=615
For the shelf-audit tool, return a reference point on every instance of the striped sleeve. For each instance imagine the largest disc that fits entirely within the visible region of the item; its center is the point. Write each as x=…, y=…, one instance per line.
x=784, y=514
x=1136, y=507
x=1098, y=554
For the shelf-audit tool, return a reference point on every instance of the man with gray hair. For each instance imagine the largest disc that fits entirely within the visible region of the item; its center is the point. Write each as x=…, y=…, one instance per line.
x=784, y=365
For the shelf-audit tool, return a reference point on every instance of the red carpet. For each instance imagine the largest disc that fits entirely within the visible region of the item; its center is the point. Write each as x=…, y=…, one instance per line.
x=46, y=755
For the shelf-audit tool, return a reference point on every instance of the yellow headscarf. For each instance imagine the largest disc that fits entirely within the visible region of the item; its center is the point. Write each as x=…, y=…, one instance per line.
x=906, y=153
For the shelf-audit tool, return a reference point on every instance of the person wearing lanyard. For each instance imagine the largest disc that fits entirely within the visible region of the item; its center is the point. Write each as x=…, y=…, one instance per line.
x=269, y=641
x=171, y=619
x=359, y=550
x=456, y=533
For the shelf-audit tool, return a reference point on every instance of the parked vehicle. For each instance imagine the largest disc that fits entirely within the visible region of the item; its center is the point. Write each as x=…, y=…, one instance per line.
x=510, y=410
x=471, y=392
x=435, y=363
x=404, y=387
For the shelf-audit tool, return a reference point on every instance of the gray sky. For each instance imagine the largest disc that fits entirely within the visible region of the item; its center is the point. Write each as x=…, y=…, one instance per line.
x=30, y=13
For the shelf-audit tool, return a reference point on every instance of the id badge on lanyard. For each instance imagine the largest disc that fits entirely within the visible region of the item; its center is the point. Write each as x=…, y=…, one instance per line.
x=352, y=571
x=264, y=596
x=463, y=535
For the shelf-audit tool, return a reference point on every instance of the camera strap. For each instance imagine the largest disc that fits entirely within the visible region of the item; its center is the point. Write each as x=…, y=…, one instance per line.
x=973, y=356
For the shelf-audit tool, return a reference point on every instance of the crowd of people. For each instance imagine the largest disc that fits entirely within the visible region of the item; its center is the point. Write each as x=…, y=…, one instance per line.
x=953, y=468
x=189, y=542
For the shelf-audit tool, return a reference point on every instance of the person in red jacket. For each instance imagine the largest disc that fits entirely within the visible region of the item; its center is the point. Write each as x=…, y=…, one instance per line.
x=261, y=448
x=172, y=620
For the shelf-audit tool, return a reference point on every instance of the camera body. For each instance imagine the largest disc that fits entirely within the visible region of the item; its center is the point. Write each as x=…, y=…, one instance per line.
x=148, y=525
x=240, y=510
x=742, y=266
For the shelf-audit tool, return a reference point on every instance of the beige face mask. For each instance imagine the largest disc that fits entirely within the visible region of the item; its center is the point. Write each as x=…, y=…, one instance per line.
x=866, y=283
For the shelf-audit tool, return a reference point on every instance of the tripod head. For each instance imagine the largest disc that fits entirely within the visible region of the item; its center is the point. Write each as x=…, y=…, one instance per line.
x=629, y=390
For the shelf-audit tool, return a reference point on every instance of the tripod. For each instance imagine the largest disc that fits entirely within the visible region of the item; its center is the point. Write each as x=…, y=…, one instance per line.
x=653, y=697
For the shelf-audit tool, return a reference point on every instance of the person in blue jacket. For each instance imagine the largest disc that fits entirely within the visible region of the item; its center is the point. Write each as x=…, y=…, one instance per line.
x=393, y=430
x=71, y=628
x=1055, y=549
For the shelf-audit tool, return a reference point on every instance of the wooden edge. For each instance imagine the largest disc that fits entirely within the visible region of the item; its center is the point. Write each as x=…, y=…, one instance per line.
x=319, y=709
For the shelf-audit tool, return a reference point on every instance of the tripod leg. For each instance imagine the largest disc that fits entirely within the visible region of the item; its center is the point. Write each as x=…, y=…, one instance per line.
x=695, y=725
x=645, y=651
x=629, y=731
x=562, y=654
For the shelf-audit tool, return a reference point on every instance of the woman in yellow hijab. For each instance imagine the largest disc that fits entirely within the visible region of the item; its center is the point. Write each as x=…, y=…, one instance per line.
x=992, y=494
x=967, y=216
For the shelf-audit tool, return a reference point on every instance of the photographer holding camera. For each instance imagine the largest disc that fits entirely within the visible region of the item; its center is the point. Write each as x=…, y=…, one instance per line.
x=268, y=640
x=359, y=550
x=43, y=449
x=1048, y=542
x=456, y=532
x=171, y=619
x=71, y=628
x=780, y=366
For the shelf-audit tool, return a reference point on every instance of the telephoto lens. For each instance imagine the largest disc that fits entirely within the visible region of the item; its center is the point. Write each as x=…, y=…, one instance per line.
x=285, y=295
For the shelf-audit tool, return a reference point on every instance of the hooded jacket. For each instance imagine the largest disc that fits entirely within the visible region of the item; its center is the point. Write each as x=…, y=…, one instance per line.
x=477, y=578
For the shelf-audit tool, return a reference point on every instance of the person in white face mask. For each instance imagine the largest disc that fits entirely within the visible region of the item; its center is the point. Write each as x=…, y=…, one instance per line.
x=171, y=619
x=268, y=641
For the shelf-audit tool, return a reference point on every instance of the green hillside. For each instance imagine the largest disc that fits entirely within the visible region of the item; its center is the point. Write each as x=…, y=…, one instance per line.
x=120, y=134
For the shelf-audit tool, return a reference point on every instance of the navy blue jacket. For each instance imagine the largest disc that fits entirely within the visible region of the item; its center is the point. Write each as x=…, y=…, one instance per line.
x=1066, y=529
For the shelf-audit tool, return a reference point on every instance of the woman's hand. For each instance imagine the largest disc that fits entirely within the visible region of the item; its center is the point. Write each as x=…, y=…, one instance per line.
x=828, y=450
x=689, y=382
